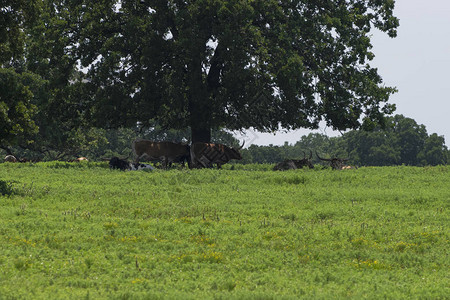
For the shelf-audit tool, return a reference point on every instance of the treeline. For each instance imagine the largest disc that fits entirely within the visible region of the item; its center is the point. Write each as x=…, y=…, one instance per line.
x=101, y=144
x=402, y=142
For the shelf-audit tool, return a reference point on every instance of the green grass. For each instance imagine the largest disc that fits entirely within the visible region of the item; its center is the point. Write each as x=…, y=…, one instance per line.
x=82, y=231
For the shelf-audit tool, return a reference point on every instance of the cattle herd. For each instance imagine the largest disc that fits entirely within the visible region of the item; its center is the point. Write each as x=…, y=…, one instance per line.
x=196, y=155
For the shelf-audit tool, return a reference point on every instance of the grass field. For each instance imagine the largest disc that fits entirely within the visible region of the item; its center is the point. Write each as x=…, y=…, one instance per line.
x=81, y=231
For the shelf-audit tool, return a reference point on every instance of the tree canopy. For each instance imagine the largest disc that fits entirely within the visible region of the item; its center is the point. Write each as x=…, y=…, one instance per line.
x=199, y=66
x=231, y=64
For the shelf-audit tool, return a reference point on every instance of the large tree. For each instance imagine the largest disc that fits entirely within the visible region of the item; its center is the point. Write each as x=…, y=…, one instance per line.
x=237, y=64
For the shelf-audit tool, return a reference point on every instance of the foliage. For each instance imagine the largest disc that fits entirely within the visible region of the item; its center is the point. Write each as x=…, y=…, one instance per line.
x=156, y=132
x=199, y=65
x=15, y=15
x=60, y=114
x=17, y=86
x=101, y=144
x=376, y=148
x=83, y=231
x=434, y=151
x=229, y=64
x=39, y=101
x=16, y=108
x=6, y=188
x=403, y=141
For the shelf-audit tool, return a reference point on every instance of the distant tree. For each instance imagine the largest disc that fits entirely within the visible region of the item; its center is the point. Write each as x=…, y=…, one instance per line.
x=410, y=138
x=103, y=144
x=230, y=64
x=247, y=157
x=225, y=137
x=265, y=154
x=375, y=148
x=314, y=142
x=403, y=141
x=434, y=151
x=307, y=145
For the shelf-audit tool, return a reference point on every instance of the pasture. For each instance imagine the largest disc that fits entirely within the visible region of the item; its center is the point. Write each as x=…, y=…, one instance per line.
x=80, y=231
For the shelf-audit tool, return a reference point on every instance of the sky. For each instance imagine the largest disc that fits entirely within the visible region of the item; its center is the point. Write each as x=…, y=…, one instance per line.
x=416, y=62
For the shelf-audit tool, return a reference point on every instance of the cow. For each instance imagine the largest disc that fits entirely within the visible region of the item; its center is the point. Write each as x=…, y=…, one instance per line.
x=348, y=167
x=123, y=165
x=78, y=159
x=139, y=166
x=287, y=164
x=10, y=158
x=293, y=164
x=120, y=164
x=204, y=155
x=167, y=152
x=335, y=162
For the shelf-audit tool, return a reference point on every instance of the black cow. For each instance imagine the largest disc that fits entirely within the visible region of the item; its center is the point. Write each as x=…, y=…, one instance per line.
x=123, y=165
x=120, y=164
x=294, y=164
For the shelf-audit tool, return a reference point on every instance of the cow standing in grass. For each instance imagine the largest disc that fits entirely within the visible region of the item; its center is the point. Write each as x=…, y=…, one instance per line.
x=167, y=152
x=204, y=155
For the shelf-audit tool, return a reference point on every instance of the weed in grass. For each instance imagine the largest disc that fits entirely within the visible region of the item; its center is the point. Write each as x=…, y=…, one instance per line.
x=6, y=188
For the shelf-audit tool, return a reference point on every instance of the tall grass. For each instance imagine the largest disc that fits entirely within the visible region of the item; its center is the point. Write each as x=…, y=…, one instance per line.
x=81, y=230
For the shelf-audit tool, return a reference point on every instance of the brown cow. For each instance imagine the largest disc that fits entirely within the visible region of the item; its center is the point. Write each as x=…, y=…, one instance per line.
x=204, y=155
x=167, y=152
x=349, y=167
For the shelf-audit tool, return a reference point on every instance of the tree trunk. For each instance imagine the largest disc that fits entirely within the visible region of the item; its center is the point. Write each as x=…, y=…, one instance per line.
x=201, y=135
x=200, y=120
x=199, y=103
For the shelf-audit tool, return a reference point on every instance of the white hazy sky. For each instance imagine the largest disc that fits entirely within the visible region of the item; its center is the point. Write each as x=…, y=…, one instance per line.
x=417, y=62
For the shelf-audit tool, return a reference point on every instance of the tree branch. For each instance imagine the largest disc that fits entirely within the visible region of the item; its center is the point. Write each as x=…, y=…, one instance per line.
x=213, y=79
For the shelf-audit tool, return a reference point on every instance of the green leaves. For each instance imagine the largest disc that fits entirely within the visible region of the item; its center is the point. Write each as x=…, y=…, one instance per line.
x=201, y=64
x=210, y=59
x=16, y=107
